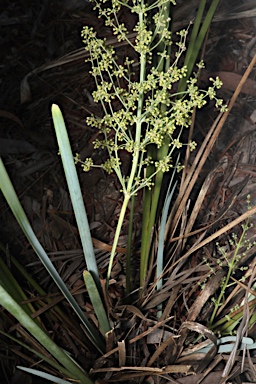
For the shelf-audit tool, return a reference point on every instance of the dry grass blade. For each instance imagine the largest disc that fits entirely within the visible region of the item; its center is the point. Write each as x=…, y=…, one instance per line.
x=201, y=329
x=190, y=180
x=137, y=338
x=143, y=371
x=211, y=287
x=121, y=353
x=199, y=201
x=171, y=301
x=236, y=15
x=201, y=157
x=214, y=363
x=158, y=298
x=134, y=310
x=167, y=343
x=221, y=231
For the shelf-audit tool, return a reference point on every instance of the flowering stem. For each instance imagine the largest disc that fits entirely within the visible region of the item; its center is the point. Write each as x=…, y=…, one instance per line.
x=231, y=268
x=128, y=191
x=143, y=114
x=117, y=233
x=129, y=247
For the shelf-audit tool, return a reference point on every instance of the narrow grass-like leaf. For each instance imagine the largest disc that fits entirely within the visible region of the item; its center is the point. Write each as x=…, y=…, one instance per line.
x=13, y=201
x=12, y=286
x=96, y=302
x=197, y=39
x=75, y=191
x=44, y=375
x=160, y=251
x=226, y=344
x=48, y=360
x=151, y=197
x=15, y=309
x=36, y=287
x=194, y=34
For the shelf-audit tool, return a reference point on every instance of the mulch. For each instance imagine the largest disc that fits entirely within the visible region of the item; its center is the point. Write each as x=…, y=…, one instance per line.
x=43, y=61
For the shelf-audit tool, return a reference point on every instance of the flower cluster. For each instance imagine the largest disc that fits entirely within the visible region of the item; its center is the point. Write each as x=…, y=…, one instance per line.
x=144, y=111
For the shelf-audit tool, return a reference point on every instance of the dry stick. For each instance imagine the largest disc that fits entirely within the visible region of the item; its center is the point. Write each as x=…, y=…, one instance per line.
x=192, y=180
x=227, y=227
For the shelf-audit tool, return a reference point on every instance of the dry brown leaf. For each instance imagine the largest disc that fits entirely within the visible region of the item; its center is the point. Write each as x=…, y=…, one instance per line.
x=202, y=155
x=121, y=353
x=211, y=286
x=213, y=378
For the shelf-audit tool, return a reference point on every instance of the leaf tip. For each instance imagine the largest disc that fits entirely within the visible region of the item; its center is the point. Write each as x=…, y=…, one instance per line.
x=55, y=108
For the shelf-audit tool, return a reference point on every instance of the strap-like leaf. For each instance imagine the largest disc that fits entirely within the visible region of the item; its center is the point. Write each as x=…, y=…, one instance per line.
x=96, y=302
x=14, y=203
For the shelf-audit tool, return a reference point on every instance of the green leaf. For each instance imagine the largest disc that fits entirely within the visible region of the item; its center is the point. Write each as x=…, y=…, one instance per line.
x=44, y=375
x=96, y=302
x=14, y=203
x=75, y=191
x=11, y=285
x=42, y=356
x=15, y=309
x=197, y=39
x=160, y=251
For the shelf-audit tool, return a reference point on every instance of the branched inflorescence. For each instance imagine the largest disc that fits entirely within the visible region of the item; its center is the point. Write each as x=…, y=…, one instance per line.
x=133, y=118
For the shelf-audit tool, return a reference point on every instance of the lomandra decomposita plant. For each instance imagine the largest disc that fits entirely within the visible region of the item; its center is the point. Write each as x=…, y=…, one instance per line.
x=141, y=112
x=134, y=117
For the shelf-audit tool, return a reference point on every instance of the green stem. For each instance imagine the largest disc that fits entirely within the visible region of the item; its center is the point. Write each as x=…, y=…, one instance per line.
x=231, y=268
x=128, y=191
x=117, y=234
x=129, y=248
